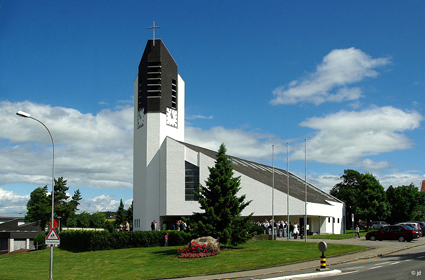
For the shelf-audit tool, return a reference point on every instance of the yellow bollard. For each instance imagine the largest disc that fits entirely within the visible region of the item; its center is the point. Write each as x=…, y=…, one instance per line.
x=322, y=247
x=323, y=261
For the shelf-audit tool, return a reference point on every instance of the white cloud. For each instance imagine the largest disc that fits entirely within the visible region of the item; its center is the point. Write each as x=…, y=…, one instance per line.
x=340, y=68
x=12, y=203
x=400, y=179
x=251, y=145
x=193, y=117
x=327, y=181
x=346, y=138
x=90, y=150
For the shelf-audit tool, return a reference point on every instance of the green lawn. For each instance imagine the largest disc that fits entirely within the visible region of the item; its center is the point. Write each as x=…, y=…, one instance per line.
x=347, y=235
x=158, y=262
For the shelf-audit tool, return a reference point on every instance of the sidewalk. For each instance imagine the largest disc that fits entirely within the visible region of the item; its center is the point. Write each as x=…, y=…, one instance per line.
x=378, y=248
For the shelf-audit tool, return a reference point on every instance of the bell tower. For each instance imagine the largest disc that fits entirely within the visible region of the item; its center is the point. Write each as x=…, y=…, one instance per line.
x=158, y=113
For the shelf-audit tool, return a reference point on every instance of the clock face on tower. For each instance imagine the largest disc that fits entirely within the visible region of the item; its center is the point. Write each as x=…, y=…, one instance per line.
x=140, y=118
x=171, y=118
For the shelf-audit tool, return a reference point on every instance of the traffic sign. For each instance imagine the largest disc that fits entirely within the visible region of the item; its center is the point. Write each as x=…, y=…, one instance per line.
x=52, y=238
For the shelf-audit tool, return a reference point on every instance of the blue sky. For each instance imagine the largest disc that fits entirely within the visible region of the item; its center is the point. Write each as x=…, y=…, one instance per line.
x=348, y=76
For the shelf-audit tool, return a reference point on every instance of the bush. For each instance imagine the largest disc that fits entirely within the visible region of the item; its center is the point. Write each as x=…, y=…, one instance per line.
x=80, y=241
x=255, y=229
x=40, y=240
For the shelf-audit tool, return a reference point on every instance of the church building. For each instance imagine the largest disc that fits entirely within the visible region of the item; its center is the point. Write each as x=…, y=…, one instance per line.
x=166, y=169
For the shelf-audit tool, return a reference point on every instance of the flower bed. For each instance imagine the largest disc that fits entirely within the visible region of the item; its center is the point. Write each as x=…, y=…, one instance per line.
x=196, y=250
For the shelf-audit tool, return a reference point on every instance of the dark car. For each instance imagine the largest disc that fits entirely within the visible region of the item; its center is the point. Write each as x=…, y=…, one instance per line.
x=397, y=232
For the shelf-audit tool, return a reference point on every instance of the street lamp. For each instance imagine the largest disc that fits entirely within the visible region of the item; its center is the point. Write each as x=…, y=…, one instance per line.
x=26, y=115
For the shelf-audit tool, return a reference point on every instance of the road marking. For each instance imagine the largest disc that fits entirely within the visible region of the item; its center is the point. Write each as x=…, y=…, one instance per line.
x=356, y=267
x=379, y=266
x=394, y=263
x=383, y=263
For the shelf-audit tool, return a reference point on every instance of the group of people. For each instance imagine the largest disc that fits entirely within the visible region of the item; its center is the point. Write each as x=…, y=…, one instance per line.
x=125, y=227
x=178, y=225
x=281, y=227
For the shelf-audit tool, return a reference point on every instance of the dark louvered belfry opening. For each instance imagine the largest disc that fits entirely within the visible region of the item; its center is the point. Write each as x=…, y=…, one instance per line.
x=158, y=88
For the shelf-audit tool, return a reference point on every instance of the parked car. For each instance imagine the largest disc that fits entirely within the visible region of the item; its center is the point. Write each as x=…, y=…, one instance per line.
x=378, y=224
x=398, y=232
x=413, y=225
x=421, y=224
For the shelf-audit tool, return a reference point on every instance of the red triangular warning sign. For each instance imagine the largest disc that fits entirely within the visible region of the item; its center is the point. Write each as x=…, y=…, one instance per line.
x=52, y=235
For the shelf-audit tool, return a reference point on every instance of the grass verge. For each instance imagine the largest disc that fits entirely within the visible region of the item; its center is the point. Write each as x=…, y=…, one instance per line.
x=347, y=235
x=159, y=262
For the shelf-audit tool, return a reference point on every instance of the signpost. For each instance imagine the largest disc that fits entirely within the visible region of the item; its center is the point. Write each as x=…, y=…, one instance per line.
x=52, y=238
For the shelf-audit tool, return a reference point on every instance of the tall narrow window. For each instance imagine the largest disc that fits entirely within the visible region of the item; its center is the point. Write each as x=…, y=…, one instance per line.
x=191, y=181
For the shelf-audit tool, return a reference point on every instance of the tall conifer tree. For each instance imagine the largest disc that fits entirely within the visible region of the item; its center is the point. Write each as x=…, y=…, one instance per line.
x=222, y=208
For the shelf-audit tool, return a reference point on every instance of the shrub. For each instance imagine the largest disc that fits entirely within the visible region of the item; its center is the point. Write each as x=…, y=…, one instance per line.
x=80, y=241
x=40, y=240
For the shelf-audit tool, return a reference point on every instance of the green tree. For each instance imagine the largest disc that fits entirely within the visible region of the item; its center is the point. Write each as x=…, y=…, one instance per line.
x=222, y=208
x=420, y=210
x=121, y=215
x=65, y=208
x=348, y=191
x=130, y=214
x=405, y=203
x=97, y=220
x=363, y=196
x=39, y=207
x=372, y=203
x=83, y=220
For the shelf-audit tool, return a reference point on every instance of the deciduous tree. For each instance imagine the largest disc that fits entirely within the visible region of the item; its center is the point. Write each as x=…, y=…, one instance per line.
x=39, y=207
x=363, y=196
x=372, y=203
x=348, y=191
x=405, y=203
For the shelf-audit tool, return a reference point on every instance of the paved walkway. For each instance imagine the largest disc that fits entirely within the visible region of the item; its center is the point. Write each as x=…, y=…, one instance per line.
x=378, y=248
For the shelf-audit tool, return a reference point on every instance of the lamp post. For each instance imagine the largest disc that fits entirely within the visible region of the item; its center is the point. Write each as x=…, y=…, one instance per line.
x=26, y=115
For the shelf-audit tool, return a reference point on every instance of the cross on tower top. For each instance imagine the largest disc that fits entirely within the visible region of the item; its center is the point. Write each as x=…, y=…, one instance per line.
x=153, y=28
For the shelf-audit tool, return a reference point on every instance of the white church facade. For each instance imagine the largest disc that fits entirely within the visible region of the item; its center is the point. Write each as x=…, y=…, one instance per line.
x=166, y=170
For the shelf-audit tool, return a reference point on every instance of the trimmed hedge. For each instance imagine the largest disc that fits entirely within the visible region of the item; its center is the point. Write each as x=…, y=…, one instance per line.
x=80, y=241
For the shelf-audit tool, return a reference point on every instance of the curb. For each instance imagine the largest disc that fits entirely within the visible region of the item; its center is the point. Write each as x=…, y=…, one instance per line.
x=307, y=275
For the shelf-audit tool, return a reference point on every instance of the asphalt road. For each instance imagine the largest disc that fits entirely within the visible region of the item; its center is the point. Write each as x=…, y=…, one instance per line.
x=407, y=264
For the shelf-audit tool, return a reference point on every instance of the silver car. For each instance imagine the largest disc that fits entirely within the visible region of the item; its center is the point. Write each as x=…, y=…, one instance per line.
x=378, y=224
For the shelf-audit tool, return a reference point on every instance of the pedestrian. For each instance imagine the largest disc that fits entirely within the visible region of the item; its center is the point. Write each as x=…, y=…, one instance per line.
x=127, y=226
x=291, y=229
x=357, y=231
x=166, y=239
x=296, y=230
